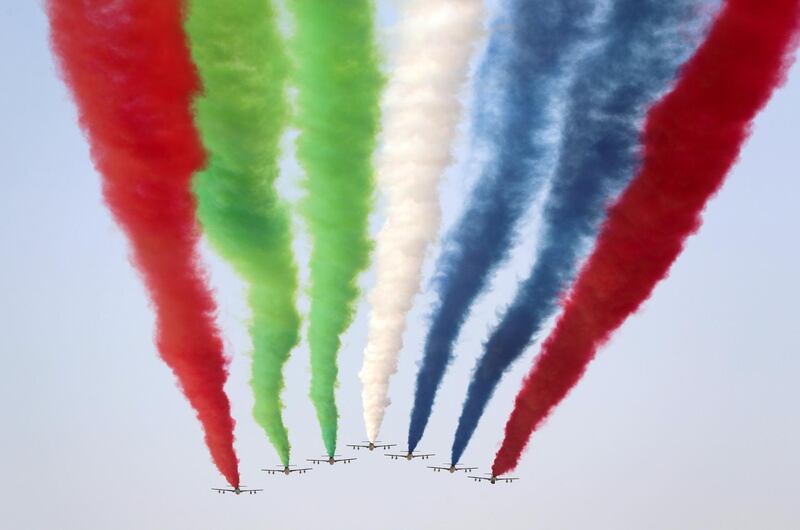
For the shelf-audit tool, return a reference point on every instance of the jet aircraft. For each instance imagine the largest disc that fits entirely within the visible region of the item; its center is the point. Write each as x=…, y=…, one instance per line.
x=287, y=470
x=330, y=460
x=452, y=468
x=409, y=456
x=236, y=491
x=492, y=479
x=371, y=445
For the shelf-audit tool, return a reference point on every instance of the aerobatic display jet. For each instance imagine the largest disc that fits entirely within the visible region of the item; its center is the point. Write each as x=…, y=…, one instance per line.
x=452, y=468
x=236, y=491
x=330, y=460
x=371, y=445
x=492, y=479
x=409, y=456
x=287, y=470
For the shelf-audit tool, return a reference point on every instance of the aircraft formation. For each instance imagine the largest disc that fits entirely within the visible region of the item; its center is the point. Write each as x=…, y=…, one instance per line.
x=448, y=467
x=587, y=122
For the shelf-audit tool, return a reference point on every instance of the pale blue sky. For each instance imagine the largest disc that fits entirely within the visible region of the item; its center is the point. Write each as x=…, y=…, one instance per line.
x=688, y=419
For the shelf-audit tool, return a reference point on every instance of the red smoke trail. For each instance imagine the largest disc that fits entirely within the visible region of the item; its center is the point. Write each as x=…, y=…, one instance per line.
x=129, y=70
x=691, y=139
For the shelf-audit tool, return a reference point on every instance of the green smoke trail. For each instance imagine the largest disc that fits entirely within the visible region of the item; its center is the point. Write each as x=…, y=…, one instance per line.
x=241, y=115
x=339, y=82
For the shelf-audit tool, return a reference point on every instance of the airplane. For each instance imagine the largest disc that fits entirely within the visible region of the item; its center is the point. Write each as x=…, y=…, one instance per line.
x=330, y=459
x=493, y=479
x=371, y=445
x=236, y=491
x=452, y=468
x=287, y=470
x=408, y=456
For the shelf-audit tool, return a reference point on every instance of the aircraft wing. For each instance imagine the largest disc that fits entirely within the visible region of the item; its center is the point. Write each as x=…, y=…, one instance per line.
x=359, y=446
x=223, y=490
x=344, y=460
x=384, y=446
x=439, y=468
x=317, y=460
x=422, y=456
x=466, y=469
x=479, y=478
x=508, y=479
x=300, y=470
x=394, y=455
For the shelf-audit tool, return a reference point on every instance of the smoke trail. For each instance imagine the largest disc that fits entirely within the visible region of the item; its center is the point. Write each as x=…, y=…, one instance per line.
x=535, y=50
x=241, y=115
x=422, y=112
x=691, y=139
x=644, y=43
x=129, y=70
x=339, y=82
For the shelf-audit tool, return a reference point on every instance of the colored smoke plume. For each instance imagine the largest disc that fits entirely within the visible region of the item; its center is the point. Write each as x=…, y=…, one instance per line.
x=338, y=82
x=127, y=65
x=241, y=114
x=422, y=111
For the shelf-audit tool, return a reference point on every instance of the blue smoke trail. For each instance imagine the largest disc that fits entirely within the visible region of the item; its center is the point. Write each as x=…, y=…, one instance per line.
x=644, y=43
x=534, y=50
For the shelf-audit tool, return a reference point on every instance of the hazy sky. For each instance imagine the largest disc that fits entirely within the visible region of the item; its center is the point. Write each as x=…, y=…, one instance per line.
x=688, y=419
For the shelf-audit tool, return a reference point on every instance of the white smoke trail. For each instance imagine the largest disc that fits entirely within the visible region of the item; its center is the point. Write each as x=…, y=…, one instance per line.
x=421, y=113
